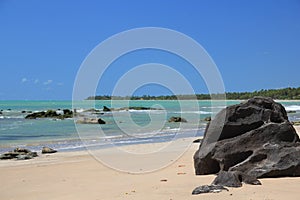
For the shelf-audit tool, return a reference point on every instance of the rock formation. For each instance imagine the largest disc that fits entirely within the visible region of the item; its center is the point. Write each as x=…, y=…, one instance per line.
x=58, y=114
x=18, y=154
x=247, y=141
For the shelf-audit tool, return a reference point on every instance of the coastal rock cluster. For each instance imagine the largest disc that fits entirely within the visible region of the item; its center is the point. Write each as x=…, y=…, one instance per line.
x=106, y=109
x=18, y=154
x=58, y=114
x=24, y=154
x=248, y=141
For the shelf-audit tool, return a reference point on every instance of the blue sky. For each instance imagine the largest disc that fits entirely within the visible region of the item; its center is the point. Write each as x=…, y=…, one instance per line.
x=255, y=44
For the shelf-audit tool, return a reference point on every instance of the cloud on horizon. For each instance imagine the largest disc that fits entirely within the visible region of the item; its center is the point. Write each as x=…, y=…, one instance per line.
x=48, y=82
x=23, y=80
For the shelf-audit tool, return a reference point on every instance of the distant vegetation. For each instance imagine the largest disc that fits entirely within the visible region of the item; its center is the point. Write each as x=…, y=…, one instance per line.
x=282, y=94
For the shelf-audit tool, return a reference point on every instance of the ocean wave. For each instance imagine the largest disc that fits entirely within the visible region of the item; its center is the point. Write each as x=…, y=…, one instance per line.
x=80, y=110
x=211, y=107
x=292, y=108
x=193, y=112
x=147, y=111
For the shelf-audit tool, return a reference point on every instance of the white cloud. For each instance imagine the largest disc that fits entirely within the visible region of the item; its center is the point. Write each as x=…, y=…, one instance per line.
x=36, y=81
x=23, y=80
x=266, y=53
x=48, y=82
x=60, y=84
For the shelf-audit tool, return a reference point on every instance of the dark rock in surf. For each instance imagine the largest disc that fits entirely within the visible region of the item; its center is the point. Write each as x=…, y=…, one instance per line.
x=106, y=109
x=90, y=121
x=207, y=119
x=57, y=114
x=247, y=141
x=101, y=121
x=177, y=119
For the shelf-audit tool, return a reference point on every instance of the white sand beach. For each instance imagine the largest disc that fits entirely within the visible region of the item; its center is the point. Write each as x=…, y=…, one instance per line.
x=77, y=175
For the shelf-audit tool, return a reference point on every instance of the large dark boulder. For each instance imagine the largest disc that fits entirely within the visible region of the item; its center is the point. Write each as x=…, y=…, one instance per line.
x=250, y=140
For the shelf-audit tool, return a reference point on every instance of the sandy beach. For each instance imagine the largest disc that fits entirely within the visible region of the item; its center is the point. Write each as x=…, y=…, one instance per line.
x=77, y=175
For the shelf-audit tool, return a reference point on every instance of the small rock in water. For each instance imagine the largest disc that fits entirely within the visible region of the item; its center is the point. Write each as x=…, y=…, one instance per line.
x=106, y=109
x=177, y=119
x=48, y=150
x=208, y=189
x=101, y=121
x=197, y=140
x=207, y=119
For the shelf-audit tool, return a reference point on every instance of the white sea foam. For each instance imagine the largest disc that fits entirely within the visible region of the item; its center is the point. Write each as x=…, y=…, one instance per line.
x=79, y=110
x=195, y=112
x=59, y=112
x=292, y=108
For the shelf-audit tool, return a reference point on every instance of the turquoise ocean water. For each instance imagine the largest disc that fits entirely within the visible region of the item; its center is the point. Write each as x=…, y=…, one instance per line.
x=121, y=128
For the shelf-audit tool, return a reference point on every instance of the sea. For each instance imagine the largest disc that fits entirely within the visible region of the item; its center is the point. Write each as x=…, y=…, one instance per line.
x=124, y=126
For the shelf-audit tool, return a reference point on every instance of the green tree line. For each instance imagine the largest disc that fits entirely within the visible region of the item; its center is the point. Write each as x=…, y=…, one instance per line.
x=282, y=94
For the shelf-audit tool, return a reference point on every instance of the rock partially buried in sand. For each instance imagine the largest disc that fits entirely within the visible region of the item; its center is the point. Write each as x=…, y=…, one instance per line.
x=256, y=141
x=177, y=119
x=46, y=150
x=234, y=179
x=208, y=189
x=296, y=123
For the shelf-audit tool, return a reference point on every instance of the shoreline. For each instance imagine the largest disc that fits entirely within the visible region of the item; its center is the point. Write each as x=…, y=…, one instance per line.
x=77, y=175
